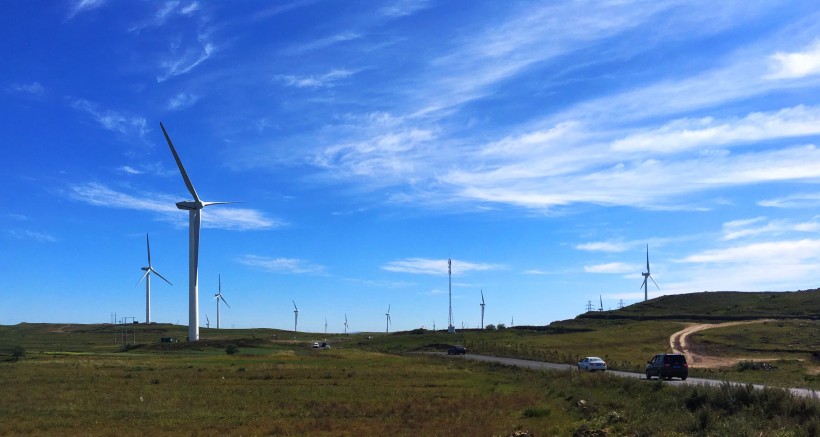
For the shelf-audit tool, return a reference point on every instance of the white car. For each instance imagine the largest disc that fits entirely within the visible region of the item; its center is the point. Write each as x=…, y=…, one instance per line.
x=592, y=364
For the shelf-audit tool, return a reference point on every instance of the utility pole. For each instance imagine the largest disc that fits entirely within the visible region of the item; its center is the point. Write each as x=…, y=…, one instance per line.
x=589, y=305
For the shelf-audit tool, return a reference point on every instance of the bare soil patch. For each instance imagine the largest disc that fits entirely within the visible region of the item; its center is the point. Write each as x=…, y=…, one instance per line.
x=680, y=343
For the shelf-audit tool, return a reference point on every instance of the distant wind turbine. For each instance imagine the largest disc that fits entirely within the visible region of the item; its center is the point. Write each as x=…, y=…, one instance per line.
x=345, y=323
x=325, y=325
x=194, y=208
x=646, y=276
x=601, y=308
x=217, y=297
x=450, y=328
x=295, y=316
x=482, y=309
x=147, y=276
x=207, y=321
x=387, y=330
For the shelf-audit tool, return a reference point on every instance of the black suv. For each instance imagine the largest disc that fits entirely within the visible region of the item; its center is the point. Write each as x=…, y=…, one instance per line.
x=456, y=350
x=667, y=366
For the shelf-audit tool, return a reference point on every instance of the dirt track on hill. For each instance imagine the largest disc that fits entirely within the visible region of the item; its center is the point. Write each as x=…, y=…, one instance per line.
x=679, y=342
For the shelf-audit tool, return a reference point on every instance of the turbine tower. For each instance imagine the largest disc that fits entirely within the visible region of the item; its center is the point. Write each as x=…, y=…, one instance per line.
x=482, y=309
x=325, y=325
x=345, y=323
x=217, y=297
x=194, y=208
x=207, y=321
x=450, y=328
x=601, y=308
x=295, y=316
x=646, y=276
x=147, y=276
x=387, y=330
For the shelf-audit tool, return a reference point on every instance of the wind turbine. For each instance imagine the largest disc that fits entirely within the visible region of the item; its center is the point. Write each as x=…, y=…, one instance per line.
x=147, y=276
x=325, y=325
x=646, y=276
x=295, y=315
x=345, y=323
x=217, y=297
x=207, y=321
x=482, y=309
x=387, y=330
x=601, y=308
x=194, y=208
x=450, y=328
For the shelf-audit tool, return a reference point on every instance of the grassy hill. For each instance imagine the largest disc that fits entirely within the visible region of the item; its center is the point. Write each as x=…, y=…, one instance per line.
x=721, y=305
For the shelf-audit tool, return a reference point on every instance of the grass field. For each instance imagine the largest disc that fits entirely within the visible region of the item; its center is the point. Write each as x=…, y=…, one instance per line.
x=113, y=379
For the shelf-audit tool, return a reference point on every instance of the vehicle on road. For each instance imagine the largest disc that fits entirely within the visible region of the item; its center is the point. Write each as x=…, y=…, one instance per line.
x=592, y=364
x=457, y=350
x=316, y=345
x=667, y=366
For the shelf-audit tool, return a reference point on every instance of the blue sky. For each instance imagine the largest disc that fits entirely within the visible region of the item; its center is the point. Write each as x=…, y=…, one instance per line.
x=539, y=145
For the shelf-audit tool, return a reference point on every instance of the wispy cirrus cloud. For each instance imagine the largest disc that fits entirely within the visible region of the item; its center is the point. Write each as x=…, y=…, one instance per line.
x=759, y=226
x=605, y=246
x=182, y=60
x=32, y=89
x=325, y=80
x=115, y=121
x=323, y=43
x=226, y=217
x=614, y=267
x=801, y=200
x=426, y=266
x=24, y=234
x=684, y=134
x=181, y=100
x=282, y=265
x=80, y=6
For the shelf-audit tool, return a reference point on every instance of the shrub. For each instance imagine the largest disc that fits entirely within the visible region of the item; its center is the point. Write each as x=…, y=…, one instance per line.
x=18, y=352
x=490, y=327
x=231, y=349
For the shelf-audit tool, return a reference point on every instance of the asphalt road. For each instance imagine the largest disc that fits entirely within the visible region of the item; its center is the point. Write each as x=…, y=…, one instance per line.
x=539, y=365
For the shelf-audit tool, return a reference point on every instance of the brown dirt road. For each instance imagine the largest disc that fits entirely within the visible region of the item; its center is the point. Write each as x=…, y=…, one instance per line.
x=679, y=342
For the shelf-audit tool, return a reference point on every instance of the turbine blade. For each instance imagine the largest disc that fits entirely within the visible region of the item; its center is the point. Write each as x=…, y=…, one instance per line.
x=163, y=277
x=148, y=244
x=143, y=277
x=204, y=204
x=220, y=283
x=223, y=300
x=179, y=164
x=294, y=305
x=653, y=281
x=643, y=284
x=647, y=258
x=482, y=297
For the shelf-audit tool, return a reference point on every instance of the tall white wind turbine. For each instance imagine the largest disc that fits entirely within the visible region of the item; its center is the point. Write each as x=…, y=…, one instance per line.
x=387, y=330
x=194, y=208
x=345, y=323
x=295, y=316
x=147, y=276
x=325, y=325
x=450, y=328
x=207, y=321
x=647, y=276
x=217, y=297
x=482, y=309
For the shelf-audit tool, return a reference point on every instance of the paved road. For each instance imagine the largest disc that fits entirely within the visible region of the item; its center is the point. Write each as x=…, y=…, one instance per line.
x=540, y=365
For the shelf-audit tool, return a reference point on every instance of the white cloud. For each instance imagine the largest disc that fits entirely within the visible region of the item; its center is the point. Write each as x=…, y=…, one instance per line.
x=125, y=124
x=39, y=237
x=760, y=226
x=284, y=265
x=323, y=43
x=326, y=80
x=127, y=169
x=181, y=100
x=683, y=134
x=33, y=89
x=183, y=60
x=425, y=266
x=84, y=6
x=604, y=246
x=770, y=253
x=803, y=200
x=791, y=65
x=219, y=217
x=615, y=267
x=401, y=8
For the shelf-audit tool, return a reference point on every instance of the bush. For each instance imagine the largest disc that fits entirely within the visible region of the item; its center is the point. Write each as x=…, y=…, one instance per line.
x=18, y=352
x=231, y=349
x=490, y=327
